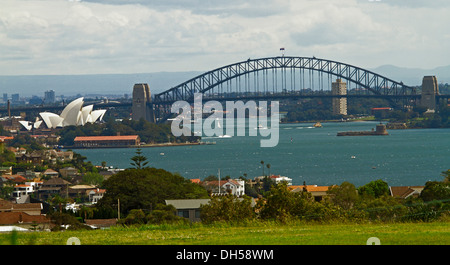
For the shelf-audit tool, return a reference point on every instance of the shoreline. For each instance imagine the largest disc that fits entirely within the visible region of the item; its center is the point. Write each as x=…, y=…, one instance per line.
x=139, y=146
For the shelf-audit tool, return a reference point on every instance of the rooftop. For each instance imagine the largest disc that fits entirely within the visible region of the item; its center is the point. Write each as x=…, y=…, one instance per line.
x=106, y=138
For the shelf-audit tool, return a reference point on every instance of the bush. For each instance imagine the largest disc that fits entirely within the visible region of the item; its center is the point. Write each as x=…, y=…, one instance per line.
x=67, y=221
x=135, y=216
x=227, y=208
x=165, y=214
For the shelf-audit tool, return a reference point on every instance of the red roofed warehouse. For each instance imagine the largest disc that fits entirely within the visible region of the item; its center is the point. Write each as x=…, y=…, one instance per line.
x=106, y=141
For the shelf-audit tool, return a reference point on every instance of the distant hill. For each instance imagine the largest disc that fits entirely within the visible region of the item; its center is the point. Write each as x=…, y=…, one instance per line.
x=413, y=76
x=120, y=84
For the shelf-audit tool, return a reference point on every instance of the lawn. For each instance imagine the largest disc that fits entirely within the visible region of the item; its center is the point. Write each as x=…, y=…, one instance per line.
x=258, y=233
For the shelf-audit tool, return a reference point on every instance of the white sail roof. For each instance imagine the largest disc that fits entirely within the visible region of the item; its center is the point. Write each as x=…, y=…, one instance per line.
x=97, y=115
x=86, y=114
x=26, y=124
x=73, y=114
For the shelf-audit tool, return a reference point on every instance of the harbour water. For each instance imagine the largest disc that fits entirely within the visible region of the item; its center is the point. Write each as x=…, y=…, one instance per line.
x=305, y=154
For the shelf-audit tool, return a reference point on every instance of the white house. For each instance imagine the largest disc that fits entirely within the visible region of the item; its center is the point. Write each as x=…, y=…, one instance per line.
x=276, y=178
x=95, y=195
x=21, y=190
x=234, y=186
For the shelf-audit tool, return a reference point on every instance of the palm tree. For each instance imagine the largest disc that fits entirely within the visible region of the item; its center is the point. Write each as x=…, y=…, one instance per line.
x=268, y=168
x=262, y=164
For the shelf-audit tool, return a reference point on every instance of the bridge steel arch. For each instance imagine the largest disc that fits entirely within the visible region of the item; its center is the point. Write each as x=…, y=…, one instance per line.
x=377, y=84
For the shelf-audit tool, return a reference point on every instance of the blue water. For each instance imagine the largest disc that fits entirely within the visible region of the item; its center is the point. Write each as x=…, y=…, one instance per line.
x=306, y=154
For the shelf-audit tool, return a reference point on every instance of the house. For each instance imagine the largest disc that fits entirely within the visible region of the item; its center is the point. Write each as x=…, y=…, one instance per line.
x=95, y=195
x=5, y=170
x=50, y=173
x=62, y=156
x=188, y=208
x=35, y=157
x=279, y=179
x=52, y=187
x=28, y=188
x=68, y=172
x=275, y=178
x=80, y=190
x=404, y=192
x=197, y=181
x=23, y=214
x=18, y=151
x=28, y=208
x=15, y=178
x=318, y=192
x=191, y=208
x=221, y=187
x=9, y=218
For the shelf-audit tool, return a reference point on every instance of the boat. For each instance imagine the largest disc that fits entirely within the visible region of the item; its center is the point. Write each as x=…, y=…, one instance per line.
x=318, y=125
x=261, y=127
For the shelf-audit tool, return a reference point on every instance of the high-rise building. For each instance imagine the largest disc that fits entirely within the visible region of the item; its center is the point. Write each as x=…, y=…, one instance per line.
x=339, y=103
x=15, y=98
x=5, y=97
x=49, y=97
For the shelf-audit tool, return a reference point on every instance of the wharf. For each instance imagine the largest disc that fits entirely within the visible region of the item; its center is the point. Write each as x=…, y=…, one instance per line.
x=140, y=146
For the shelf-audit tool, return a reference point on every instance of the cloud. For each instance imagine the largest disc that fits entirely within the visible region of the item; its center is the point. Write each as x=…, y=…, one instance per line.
x=250, y=8
x=135, y=36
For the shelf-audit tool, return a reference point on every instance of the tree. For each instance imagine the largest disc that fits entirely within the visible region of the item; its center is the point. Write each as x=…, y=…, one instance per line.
x=93, y=178
x=446, y=174
x=435, y=190
x=283, y=204
x=228, y=208
x=165, y=214
x=344, y=195
x=374, y=189
x=211, y=178
x=135, y=216
x=139, y=161
x=62, y=220
x=145, y=188
x=268, y=169
x=262, y=165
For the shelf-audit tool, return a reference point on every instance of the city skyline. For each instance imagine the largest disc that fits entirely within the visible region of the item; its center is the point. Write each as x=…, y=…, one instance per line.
x=57, y=37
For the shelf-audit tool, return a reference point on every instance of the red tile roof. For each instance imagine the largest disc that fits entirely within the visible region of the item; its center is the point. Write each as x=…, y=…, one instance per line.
x=7, y=218
x=405, y=191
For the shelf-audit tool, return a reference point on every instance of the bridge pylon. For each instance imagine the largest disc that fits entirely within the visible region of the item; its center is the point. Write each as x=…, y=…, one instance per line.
x=142, y=103
x=430, y=89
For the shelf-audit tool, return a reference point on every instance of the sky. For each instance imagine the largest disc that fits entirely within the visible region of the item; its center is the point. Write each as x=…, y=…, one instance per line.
x=63, y=37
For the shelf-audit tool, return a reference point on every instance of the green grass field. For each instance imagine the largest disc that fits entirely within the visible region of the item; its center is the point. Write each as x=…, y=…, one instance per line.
x=258, y=233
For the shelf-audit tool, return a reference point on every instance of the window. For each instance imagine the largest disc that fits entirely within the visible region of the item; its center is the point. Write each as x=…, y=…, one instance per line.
x=183, y=213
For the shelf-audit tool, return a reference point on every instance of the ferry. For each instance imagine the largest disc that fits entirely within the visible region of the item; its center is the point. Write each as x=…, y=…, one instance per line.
x=318, y=125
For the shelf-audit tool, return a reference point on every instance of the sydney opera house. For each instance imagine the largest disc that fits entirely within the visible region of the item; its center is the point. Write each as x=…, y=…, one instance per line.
x=73, y=114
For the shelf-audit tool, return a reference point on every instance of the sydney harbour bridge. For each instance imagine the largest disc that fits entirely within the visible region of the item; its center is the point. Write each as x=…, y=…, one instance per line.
x=282, y=77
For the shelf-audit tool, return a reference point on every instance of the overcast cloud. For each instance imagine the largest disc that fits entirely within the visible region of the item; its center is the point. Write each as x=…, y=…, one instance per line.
x=139, y=36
